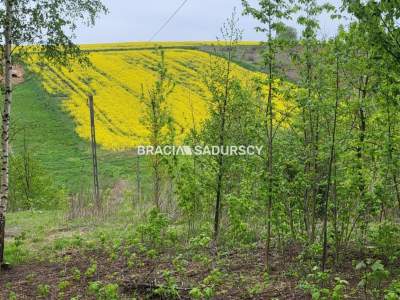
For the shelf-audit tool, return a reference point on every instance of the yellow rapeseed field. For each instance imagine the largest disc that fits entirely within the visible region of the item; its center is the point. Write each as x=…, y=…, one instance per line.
x=116, y=80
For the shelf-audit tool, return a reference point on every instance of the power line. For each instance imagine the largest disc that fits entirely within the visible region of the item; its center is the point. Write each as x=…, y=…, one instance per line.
x=169, y=20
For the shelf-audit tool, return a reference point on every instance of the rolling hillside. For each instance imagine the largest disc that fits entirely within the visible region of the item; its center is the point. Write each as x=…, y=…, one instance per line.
x=119, y=74
x=52, y=103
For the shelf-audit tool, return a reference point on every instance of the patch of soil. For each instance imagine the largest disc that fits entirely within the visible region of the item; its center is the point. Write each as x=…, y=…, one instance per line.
x=118, y=190
x=241, y=272
x=17, y=75
x=12, y=232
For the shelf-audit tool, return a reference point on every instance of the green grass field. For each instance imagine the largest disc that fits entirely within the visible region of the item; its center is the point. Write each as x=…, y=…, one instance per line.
x=51, y=139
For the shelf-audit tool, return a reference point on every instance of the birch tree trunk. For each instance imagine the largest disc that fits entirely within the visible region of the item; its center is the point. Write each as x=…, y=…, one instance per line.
x=5, y=128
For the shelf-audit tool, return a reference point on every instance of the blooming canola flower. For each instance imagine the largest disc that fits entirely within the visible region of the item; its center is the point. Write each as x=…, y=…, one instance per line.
x=117, y=79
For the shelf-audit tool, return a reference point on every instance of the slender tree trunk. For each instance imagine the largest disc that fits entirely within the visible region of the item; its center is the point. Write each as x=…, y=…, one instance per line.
x=392, y=168
x=306, y=170
x=217, y=215
x=336, y=214
x=138, y=180
x=311, y=143
x=314, y=127
x=157, y=181
x=27, y=172
x=5, y=129
x=222, y=111
x=360, y=149
x=311, y=138
x=315, y=183
x=156, y=159
x=291, y=221
x=362, y=94
x=270, y=152
x=331, y=158
x=194, y=217
x=396, y=187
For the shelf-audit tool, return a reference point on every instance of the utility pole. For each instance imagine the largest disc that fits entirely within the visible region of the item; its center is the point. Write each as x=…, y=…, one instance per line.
x=94, y=153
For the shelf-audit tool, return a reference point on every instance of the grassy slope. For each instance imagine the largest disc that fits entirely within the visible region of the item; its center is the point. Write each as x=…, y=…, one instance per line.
x=52, y=140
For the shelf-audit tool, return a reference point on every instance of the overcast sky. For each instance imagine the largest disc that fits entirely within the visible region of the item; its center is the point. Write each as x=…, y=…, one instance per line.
x=138, y=20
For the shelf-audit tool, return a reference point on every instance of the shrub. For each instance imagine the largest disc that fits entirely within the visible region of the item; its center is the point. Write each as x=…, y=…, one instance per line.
x=373, y=274
x=386, y=239
x=153, y=230
x=169, y=289
x=43, y=290
x=31, y=187
x=393, y=291
x=104, y=292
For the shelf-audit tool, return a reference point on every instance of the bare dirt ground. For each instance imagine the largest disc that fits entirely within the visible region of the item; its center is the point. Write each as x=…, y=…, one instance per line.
x=241, y=272
x=17, y=74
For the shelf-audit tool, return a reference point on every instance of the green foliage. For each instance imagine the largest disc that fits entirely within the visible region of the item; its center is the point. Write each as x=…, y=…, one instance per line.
x=287, y=34
x=338, y=292
x=214, y=278
x=196, y=293
x=168, y=289
x=199, y=242
x=179, y=264
x=110, y=291
x=64, y=285
x=255, y=289
x=379, y=19
x=76, y=274
x=239, y=210
x=318, y=292
x=31, y=187
x=43, y=290
x=157, y=116
x=373, y=274
x=16, y=251
x=314, y=283
x=159, y=122
x=12, y=296
x=393, y=291
x=57, y=44
x=317, y=286
x=386, y=238
x=153, y=231
x=104, y=291
x=206, y=289
x=91, y=270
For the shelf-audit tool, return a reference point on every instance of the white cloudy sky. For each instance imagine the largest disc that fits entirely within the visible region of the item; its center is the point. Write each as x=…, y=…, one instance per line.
x=138, y=20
